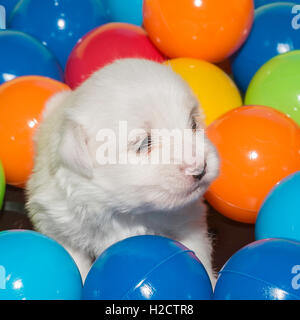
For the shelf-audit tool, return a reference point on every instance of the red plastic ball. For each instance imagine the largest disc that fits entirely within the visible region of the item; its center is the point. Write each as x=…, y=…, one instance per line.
x=105, y=44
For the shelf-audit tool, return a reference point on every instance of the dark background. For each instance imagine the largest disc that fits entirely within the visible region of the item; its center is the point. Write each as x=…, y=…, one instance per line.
x=229, y=236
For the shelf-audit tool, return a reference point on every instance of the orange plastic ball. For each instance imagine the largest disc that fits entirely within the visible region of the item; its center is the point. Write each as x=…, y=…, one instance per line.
x=21, y=104
x=211, y=30
x=258, y=147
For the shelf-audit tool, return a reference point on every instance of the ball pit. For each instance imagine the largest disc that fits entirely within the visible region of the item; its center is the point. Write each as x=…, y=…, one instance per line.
x=258, y=147
x=153, y=267
x=22, y=55
x=211, y=30
x=105, y=44
x=272, y=34
x=35, y=267
x=214, y=89
x=128, y=11
x=276, y=85
x=57, y=24
x=262, y=270
x=21, y=104
x=279, y=215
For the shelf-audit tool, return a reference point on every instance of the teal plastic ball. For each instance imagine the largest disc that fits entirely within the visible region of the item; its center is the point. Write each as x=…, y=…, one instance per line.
x=35, y=267
x=128, y=11
x=279, y=215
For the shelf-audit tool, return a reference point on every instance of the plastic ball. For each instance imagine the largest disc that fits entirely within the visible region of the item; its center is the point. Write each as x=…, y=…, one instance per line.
x=35, y=267
x=21, y=104
x=106, y=44
x=9, y=6
x=268, y=38
x=279, y=215
x=128, y=11
x=258, y=147
x=263, y=270
x=152, y=267
x=260, y=3
x=22, y=55
x=276, y=85
x=58, y=24
x=211, y=30
x=2, y=185
x=214, y=89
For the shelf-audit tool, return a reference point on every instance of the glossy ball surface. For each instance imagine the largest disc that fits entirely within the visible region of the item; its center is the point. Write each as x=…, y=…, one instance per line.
x=258, y=146
x=215, y=90
x=22, y=55
x=263, y=270
x=279, y=215
x=272, y=34
x=105, y=44
x=35, y=267
x=211, y=30
x=128, y=11
x=260, y=3
x=58, y=24
x=276, y=85
x=22, y=101
x=147, y=268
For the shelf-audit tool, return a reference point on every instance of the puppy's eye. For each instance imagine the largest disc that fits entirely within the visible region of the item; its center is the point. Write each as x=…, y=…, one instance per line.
x=145, y=145
x=194, y=124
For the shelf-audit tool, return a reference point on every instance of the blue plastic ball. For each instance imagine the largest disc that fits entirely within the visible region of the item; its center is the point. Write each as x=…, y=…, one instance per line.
x=8, y=5
x=128, y=11
x=147, y=268
x=272, y=33
x=58, y=24
x=22, y=55
x=260, y=3
x=279, y=216
x=263, y=270
x=35, y=267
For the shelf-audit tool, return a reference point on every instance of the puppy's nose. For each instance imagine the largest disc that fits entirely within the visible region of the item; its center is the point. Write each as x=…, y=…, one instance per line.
x=202, y=174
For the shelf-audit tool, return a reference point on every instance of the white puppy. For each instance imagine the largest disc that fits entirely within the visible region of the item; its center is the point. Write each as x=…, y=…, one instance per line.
x=87, y=206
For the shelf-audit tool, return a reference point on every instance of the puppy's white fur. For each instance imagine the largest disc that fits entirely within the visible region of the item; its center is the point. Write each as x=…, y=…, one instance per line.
x=86, y=206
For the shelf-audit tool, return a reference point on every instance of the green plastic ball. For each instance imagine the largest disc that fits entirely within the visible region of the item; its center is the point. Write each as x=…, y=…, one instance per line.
x=277, y=85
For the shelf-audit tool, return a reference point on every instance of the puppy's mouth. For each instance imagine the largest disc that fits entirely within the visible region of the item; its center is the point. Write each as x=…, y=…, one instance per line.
x=200, y=176
x=199, y=181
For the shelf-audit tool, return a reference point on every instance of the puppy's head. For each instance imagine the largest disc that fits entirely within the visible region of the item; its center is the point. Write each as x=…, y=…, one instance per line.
x=133, y=131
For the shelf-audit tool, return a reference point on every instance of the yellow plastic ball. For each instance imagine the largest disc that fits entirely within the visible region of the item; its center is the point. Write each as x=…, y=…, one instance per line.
x=215, y=90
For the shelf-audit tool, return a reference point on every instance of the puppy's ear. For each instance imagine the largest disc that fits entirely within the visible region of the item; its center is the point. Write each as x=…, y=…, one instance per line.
x=73, y=149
